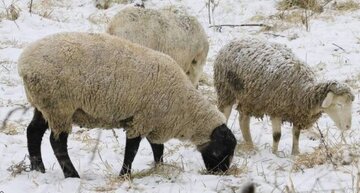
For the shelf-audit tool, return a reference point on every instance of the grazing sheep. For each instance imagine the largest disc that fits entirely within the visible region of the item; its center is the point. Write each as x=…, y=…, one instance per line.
x=99, y=80
x=267, y=78
x=176, y=34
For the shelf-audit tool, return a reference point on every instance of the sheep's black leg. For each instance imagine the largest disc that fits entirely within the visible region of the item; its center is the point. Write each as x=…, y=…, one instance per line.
x=158, y=151
x=34, y=133
x=276, y=125
x=131, y=148
x=60, y=149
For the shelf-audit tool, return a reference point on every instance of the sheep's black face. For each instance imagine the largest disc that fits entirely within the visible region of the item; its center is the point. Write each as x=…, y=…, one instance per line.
x=218, y=153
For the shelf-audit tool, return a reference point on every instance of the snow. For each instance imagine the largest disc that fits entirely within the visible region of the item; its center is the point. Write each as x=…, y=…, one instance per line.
x=331, y=47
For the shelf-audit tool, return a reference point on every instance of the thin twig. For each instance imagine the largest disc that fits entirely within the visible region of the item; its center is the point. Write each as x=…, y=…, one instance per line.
x=115, y=135
x=96, y=147
x=30, y=8
x=5, y=68
x=339, y=47
x=209, y=12
x=10, y=113
x=275, y=35
x=232, y=125
x=322, y=140
x=240, y=25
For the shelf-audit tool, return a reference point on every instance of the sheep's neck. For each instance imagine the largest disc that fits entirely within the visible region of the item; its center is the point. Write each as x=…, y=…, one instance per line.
x=314, y=94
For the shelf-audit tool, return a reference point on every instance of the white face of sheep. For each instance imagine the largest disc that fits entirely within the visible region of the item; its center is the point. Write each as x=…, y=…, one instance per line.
x=195, y=74
x=338, y=107
x=196, y=69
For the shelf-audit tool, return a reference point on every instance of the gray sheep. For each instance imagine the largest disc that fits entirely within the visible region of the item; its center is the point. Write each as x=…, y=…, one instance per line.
x=102, y=81
x=267, y=78
x=176, y=34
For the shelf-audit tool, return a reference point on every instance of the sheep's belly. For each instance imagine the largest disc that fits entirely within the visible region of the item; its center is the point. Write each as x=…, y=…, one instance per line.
x=84, y=119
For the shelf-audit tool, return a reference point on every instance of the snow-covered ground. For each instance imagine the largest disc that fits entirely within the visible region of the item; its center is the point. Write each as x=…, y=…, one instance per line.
x=331, y=46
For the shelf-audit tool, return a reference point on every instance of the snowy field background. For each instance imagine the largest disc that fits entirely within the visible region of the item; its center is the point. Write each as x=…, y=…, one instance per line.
x=329, y=42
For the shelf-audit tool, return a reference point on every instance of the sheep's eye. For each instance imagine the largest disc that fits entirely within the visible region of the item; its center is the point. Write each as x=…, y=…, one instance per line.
x=193, y=62
x=338, y=105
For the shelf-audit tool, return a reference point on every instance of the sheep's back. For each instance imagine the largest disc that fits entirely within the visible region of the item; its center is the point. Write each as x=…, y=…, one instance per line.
x=177, y=35
x=104, y=76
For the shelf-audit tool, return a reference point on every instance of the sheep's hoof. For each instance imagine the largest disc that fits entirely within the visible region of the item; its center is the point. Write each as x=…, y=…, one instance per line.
x=159, y=162
x=39, y=168
x=295, y=152
x=248, y=147
x=37, y=164
x=125, y=173
x=158, y=165
x=72, y=174
x=275, y=151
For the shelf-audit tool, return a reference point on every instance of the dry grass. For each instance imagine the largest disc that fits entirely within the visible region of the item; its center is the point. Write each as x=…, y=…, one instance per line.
x=258, y=17
x=105, y=4
x=4, y=64
x=237, y=170
x=167, y=170
x=287, y=19
x=296, y=13
x=354, y=83
x=234, y=170
x=13, y=43
x=242, y=149
x=313, y=5
x=349, y=5
x=112, y=183
x=340, y=154
x=175, y=149
x=12, y=128
x=18, y=168
x=12, y=11
x=44, y=8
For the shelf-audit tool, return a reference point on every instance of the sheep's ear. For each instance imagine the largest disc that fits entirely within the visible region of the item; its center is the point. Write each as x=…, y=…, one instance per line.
x=328, y=100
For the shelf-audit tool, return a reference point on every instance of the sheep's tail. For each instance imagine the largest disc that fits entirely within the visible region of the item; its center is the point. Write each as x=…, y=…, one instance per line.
x=249, y=188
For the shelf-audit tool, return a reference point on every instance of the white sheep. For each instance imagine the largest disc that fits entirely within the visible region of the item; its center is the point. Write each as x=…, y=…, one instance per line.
x=99, y=80
x=267, y=78
x=176, y=34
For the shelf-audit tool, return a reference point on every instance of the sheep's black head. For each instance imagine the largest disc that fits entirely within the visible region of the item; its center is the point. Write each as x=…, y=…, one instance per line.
x=218, y=153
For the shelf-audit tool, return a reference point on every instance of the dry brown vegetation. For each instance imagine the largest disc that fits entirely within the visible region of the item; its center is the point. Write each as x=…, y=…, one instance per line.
x=297, y=13
x=338, y=155
x=349, y=5
x=234, y=170
x=19, y=167
x=43, y=8
x=104, y=4
x=291, y=13
x=314, y=5
x=11, y=12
